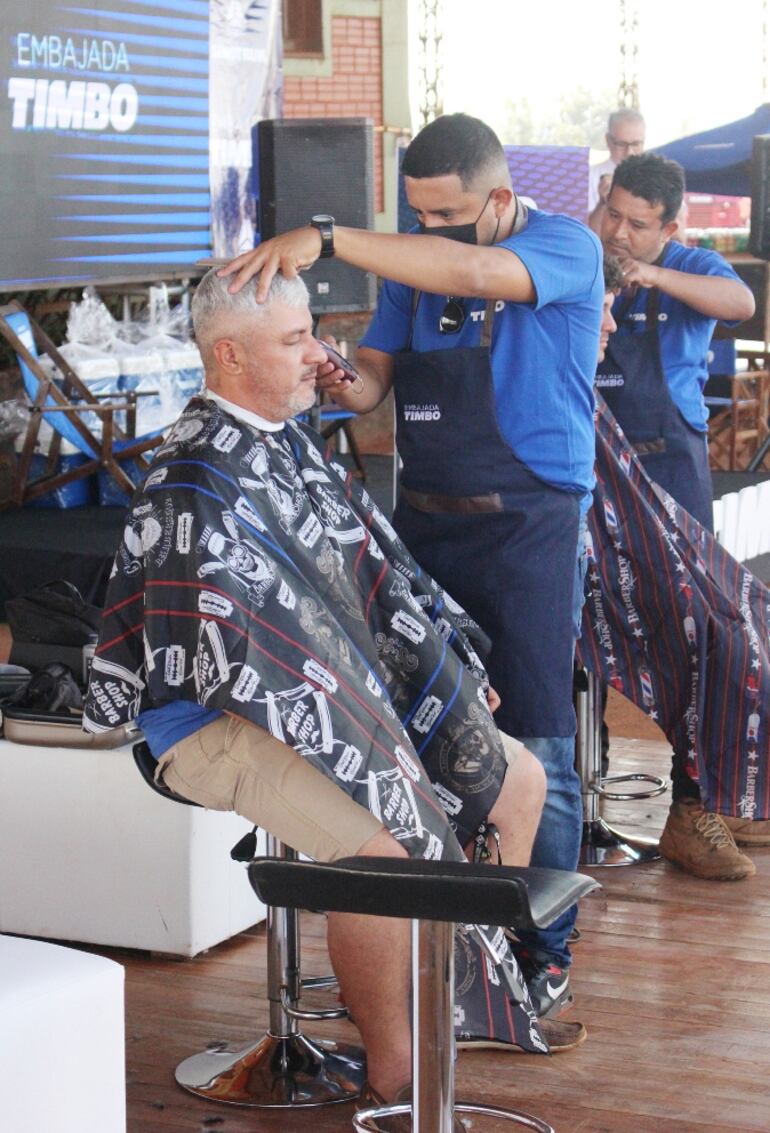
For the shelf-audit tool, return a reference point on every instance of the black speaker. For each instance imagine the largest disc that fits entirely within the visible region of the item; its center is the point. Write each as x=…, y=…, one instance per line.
x=755, y=275
x=759, y=238
x=315, y=165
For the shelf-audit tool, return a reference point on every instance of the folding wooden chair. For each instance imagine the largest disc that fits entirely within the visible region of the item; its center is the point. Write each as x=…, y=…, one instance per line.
x=64, y=401
x=740, y=425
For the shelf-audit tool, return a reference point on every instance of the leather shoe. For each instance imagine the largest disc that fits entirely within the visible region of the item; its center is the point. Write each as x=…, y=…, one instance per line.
x=559, y=1035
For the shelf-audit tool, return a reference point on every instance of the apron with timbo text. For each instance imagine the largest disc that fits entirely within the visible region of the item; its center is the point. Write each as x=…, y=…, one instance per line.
x=632, y=382
x=501, y=541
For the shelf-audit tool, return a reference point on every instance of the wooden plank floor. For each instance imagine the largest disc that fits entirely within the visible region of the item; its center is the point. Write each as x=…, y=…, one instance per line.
x=672, y=979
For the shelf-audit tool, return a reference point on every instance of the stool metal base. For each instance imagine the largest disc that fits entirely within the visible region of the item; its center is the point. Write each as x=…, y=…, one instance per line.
x=365, y=1120
x=604, y=846
x=292, y=1070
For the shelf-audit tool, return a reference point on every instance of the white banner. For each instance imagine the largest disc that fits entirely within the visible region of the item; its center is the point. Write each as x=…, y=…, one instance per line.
x=246, y=56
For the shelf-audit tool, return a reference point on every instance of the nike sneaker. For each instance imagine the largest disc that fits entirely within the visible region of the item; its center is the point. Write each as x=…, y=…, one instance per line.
x=548, y=985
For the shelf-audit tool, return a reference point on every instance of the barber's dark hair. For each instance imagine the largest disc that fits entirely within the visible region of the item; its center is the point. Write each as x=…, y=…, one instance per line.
x=455, y=143
x=613, y=274
x=656, y=179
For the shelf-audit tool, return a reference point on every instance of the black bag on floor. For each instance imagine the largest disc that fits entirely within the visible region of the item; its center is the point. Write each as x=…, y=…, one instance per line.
x=54, y=614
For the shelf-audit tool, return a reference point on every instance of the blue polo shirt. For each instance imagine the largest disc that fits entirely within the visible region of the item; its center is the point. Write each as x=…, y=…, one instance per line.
x=684, y=335
x=543, y=353
x=170, y=723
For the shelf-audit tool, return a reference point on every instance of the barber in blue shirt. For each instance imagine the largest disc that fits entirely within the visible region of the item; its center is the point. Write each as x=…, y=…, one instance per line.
x=486, y=331
x=652, y=378
x=655, y=369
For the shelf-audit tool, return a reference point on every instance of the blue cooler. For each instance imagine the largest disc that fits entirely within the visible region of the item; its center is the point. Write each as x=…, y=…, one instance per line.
x=110, y=495
x=101, y=374
x=145, y=371
x=184, y=373
x=75, y=494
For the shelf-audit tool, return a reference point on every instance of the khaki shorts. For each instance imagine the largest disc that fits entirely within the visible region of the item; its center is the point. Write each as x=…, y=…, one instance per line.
x=231, y=764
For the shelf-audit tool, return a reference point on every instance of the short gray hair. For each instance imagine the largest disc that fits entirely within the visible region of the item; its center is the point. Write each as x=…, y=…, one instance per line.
x=212, y=301
x=625, y=114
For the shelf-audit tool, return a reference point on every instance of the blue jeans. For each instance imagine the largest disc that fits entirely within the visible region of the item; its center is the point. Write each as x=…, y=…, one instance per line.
x=557, y=844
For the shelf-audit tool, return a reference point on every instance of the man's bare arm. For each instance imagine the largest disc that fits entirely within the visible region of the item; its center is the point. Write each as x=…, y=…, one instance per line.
x=376, y=372
x=710, y=295
x=428, y=263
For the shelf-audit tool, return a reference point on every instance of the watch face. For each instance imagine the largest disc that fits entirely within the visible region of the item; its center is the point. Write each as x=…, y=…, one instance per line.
x=322, y=218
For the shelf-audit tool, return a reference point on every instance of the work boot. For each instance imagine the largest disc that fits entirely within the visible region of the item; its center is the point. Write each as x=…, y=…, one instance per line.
x=748, y=831
x=700, y=843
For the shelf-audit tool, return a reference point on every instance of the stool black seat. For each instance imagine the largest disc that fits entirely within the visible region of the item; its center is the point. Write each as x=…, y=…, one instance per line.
x=465, y=892
x=147, y=764
x=434, y=895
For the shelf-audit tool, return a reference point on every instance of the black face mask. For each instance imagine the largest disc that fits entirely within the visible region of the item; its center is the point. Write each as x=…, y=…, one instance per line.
x=462, y=233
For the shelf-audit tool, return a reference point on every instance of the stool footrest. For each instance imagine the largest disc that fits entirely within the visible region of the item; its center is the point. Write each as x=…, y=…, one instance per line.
x=365, y=1120
x=287, y=1003
x=659, y=786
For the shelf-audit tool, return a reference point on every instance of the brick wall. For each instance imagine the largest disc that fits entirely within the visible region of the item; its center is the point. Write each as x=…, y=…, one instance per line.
x=353, y=90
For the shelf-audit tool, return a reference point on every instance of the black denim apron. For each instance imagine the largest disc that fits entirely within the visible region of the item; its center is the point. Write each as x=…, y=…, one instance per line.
x=633, y=384
x=502, y=542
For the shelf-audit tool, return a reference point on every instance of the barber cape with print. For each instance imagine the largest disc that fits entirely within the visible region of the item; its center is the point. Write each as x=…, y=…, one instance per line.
x=257, y=578
x=679, y=627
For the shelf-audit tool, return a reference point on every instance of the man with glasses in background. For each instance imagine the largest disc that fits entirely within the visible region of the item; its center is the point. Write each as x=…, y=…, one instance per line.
x=486, y=329
x=624, y=137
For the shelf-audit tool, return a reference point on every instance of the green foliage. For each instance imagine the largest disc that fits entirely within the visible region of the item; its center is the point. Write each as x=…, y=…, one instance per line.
x=579, y=120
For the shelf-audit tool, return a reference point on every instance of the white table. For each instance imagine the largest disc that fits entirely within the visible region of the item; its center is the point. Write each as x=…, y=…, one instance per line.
x=89, y=853
x=62, y=1048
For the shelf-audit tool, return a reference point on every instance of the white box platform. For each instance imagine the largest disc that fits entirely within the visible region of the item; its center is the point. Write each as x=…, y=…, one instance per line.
x=88, y=852
x=62, y=1049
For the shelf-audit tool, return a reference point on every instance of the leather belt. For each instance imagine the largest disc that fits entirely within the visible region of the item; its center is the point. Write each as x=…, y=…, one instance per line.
x=647, y=448
x=460, y=505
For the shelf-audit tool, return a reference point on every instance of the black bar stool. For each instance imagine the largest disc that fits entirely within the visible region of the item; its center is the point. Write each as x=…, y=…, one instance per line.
x=434, y=895
x=602, y=844
x=284, y=1068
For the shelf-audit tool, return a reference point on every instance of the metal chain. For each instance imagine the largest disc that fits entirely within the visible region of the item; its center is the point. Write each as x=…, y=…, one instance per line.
x=430, y=61
x=764, y=52
x=628, y=91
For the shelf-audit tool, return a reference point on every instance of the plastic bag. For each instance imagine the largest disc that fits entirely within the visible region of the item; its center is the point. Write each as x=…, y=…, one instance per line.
x=14, y=418
x=90, y=323
x=161, y=321
x=50, y=690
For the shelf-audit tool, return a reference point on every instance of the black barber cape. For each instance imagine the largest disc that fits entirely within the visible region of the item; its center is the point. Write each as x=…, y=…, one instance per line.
x=679, y=627
x=253, y=576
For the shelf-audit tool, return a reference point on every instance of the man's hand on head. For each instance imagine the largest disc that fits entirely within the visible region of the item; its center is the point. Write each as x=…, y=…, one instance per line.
x=288, y=253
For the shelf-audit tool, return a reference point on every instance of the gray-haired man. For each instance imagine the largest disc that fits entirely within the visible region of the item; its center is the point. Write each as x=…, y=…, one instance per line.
x=287, y=659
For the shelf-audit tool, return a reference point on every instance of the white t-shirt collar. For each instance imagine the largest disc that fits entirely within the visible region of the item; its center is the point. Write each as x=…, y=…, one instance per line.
x=245, y=414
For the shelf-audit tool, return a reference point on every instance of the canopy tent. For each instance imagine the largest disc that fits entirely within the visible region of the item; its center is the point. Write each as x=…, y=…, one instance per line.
x=719, y=161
